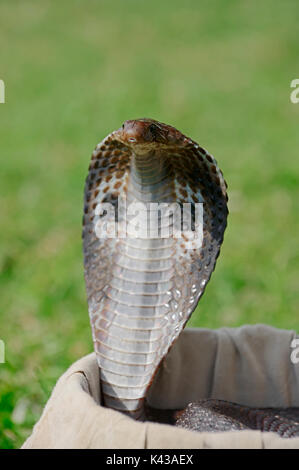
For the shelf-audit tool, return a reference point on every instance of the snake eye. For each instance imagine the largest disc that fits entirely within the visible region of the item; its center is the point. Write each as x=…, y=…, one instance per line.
x=153, y=129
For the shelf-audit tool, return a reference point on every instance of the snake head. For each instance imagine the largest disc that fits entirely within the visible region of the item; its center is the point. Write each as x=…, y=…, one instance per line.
x=147, y=134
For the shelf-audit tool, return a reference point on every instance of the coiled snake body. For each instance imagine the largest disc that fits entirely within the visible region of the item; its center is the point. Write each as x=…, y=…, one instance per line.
x=142, y=287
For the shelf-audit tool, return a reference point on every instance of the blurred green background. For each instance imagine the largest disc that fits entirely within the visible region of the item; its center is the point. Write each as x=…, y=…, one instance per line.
x=74, y=71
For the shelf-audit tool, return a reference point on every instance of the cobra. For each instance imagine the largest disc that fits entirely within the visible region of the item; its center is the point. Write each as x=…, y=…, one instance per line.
x=142, y=290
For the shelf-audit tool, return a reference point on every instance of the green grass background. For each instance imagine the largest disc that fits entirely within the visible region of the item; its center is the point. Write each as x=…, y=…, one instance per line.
x=74, y=71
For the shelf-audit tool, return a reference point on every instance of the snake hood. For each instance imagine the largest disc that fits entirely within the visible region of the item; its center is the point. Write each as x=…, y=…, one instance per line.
x=142, y=286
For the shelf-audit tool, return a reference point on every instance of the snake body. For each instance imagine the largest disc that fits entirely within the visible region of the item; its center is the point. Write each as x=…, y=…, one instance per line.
x=213, y=415
x=142, y=288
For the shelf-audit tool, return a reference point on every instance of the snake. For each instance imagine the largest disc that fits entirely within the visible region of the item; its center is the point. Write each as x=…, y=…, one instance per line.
x=155, y=213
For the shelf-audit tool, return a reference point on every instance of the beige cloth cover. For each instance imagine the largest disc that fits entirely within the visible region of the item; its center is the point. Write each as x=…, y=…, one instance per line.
x=249, y=365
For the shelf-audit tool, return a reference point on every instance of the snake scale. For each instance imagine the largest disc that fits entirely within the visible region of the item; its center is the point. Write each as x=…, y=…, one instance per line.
x=142, y=286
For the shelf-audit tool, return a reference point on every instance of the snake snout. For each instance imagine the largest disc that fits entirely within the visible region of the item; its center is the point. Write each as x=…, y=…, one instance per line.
x=131, y=132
